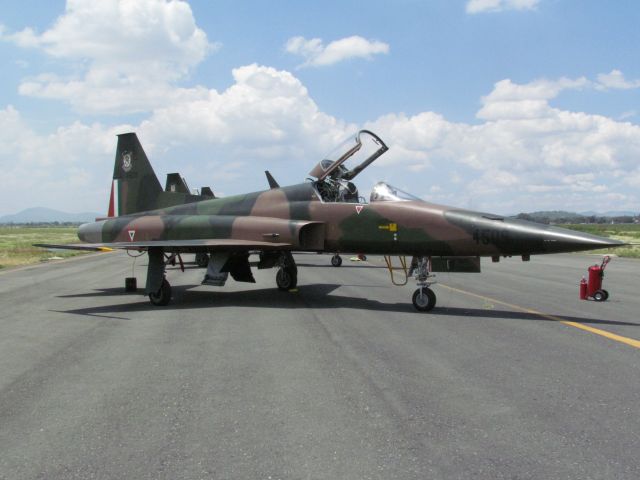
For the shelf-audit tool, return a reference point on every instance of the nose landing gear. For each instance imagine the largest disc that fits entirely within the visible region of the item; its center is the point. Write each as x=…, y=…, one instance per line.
x=424, y=299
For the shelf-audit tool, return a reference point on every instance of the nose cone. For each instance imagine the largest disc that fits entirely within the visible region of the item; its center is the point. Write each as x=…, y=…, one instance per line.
x=494, y=234
x=557, y=240
x=539, y=238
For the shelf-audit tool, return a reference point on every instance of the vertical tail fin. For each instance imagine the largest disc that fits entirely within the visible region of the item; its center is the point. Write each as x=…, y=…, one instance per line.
x=135, y=187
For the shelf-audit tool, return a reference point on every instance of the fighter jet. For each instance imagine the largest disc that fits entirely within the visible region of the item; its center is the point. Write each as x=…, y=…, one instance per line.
x=324, y=214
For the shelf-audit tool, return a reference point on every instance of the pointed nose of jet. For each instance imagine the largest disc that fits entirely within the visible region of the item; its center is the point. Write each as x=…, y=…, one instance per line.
x=557, y=240
x=509, y=236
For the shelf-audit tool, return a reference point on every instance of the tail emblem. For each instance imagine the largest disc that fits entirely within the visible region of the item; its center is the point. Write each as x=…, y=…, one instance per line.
x=126, y=162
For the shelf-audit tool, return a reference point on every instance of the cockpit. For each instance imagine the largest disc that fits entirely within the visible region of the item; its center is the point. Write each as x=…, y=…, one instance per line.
x=333, y=174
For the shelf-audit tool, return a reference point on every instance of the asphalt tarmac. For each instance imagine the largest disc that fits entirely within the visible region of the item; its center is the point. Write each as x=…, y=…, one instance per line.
x=511, y=376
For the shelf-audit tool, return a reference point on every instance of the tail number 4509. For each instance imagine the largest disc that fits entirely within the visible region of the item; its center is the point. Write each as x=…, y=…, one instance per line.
x=485, y=236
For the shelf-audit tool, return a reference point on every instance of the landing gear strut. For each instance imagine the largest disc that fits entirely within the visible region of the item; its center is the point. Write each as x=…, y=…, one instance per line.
x=424, y=299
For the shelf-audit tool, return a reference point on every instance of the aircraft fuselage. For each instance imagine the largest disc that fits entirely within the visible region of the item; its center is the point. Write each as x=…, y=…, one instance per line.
x=296, y=216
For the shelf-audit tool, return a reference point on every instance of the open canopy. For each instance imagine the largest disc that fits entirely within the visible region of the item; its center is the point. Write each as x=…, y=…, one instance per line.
x=335, y=172
x=350, y=157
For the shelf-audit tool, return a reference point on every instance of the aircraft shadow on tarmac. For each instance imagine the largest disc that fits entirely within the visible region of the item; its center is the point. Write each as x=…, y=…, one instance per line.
x=344, y=265
x=316, y=296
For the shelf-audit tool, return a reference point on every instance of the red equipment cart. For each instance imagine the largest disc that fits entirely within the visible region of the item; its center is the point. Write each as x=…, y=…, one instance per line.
x=592, y=289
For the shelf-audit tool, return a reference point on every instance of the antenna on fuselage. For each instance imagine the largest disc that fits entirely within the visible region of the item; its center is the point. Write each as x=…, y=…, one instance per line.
x=272, y=181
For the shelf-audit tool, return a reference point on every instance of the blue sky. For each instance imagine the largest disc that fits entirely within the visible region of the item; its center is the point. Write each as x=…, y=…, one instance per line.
x=498, y=105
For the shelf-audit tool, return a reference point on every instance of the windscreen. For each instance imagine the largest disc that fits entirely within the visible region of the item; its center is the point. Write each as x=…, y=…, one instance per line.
x=383, y=192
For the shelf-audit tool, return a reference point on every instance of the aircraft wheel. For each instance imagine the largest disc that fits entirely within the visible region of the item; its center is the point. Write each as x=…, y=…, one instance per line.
x=424, y=299
x=163, y=296
x=202, y=260
x=286, y=279
x=600, y=296
x=336, y=260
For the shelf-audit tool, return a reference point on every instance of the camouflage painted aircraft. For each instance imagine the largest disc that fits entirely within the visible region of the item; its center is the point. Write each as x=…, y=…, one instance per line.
x=324, y=214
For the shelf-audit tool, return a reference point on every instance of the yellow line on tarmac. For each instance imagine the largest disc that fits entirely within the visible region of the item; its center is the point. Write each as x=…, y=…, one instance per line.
x=603, y=333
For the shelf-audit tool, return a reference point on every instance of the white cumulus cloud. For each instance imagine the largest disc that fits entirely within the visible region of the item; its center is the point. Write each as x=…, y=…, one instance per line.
x=616, y=80
x=525, y=152
x=481, y=6
x=512, y=100
x=317, y=54
x=64, y=169
x=513, y=159
x=129, y=54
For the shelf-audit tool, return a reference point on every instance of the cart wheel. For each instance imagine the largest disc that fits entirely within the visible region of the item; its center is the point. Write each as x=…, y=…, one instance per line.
x=606, y=295
x=336, y=260
x=600, y=296
x=424, y=299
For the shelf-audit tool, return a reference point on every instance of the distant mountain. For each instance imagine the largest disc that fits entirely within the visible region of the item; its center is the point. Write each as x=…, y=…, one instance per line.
x=555, y=216
x=48, y=215
x=614, y=213
x=560, y=216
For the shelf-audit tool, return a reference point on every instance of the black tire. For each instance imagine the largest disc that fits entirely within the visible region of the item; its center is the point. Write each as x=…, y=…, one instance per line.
x=363, y=258
x=606, y=295
x=600, y=296
x=286, y=279
x=424, y=302
x=163, y=296
x=336, y=260
x=202, y=260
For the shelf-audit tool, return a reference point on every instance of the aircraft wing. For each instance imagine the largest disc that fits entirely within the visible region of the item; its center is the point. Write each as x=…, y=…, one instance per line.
x=74, y=246
x=189, y=246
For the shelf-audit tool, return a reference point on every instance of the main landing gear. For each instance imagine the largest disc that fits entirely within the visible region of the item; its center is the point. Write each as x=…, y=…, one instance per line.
x=287, y=276
x=158, y=288
x=220, y=265
x=202, y=259
x=162, y=297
